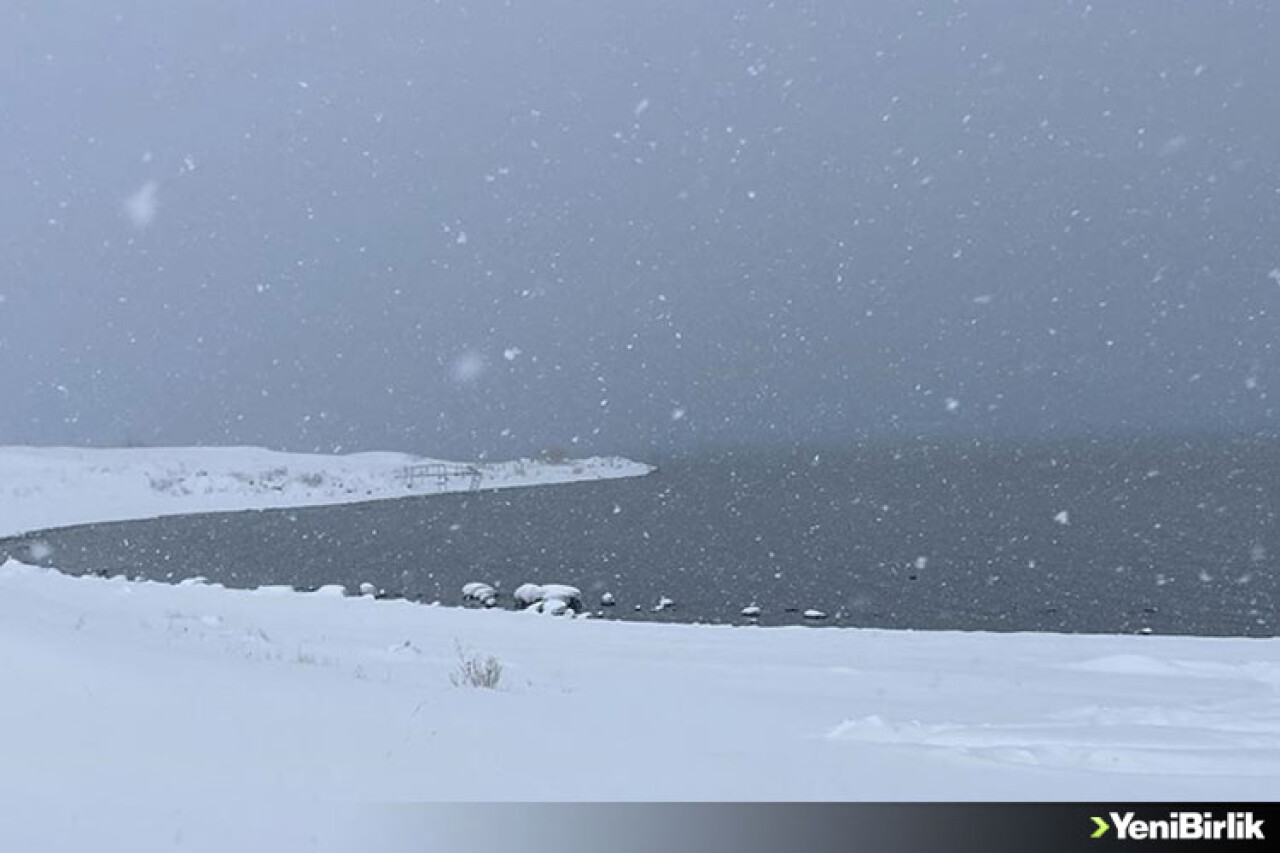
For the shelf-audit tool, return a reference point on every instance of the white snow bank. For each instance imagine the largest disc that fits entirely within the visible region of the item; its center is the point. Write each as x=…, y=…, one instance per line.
x=59, y=486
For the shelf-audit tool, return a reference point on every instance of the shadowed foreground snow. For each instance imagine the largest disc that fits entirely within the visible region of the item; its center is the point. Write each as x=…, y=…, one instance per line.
x=43, y=487
x=195, y=691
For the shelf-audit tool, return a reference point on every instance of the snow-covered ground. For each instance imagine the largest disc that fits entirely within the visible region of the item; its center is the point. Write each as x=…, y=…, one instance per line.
x=47, y=487
x=146, y=708
x=198, y=690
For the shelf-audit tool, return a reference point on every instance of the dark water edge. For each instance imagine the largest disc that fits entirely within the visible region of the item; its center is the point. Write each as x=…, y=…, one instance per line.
x=1174, y=536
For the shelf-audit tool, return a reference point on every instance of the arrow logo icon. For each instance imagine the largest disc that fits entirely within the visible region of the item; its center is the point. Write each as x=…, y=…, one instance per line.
x=1103, y=826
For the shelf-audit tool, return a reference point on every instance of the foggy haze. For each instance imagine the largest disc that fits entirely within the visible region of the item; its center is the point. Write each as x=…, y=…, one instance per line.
x=494, y=228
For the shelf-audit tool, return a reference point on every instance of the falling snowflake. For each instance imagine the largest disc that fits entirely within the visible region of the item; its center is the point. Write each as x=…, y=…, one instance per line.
x=468, y=367
x=141, y=207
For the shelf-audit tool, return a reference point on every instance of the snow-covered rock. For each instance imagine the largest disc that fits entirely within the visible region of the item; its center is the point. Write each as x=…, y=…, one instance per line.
x=550, y=607
x=554, y=606
x=607, y=600
x=529, y=594
x=561, y=591
x=481, y=593
x=751, y=611
x=814, y=614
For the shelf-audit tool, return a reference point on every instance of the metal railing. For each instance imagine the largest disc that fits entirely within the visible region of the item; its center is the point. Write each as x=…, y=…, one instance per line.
x=443, y=475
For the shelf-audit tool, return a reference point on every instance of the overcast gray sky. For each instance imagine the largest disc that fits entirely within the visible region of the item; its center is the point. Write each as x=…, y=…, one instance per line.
x=490, y=228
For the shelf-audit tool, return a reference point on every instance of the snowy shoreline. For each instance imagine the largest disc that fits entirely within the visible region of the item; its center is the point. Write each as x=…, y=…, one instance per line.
x=119, y=692
x=682, y=712
x=47, y=487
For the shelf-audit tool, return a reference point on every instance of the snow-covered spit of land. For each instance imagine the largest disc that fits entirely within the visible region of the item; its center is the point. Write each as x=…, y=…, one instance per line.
x=42, y=487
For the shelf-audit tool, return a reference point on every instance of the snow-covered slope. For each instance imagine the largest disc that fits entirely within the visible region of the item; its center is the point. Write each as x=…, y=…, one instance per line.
x=195, y=691
x=50, y=487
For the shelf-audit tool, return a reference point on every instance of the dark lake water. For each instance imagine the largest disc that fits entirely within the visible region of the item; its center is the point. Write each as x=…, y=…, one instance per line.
x=1167, y=536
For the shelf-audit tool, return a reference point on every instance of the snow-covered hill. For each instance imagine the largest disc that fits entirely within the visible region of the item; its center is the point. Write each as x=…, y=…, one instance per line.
x=49, y=487
x=125, y=693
